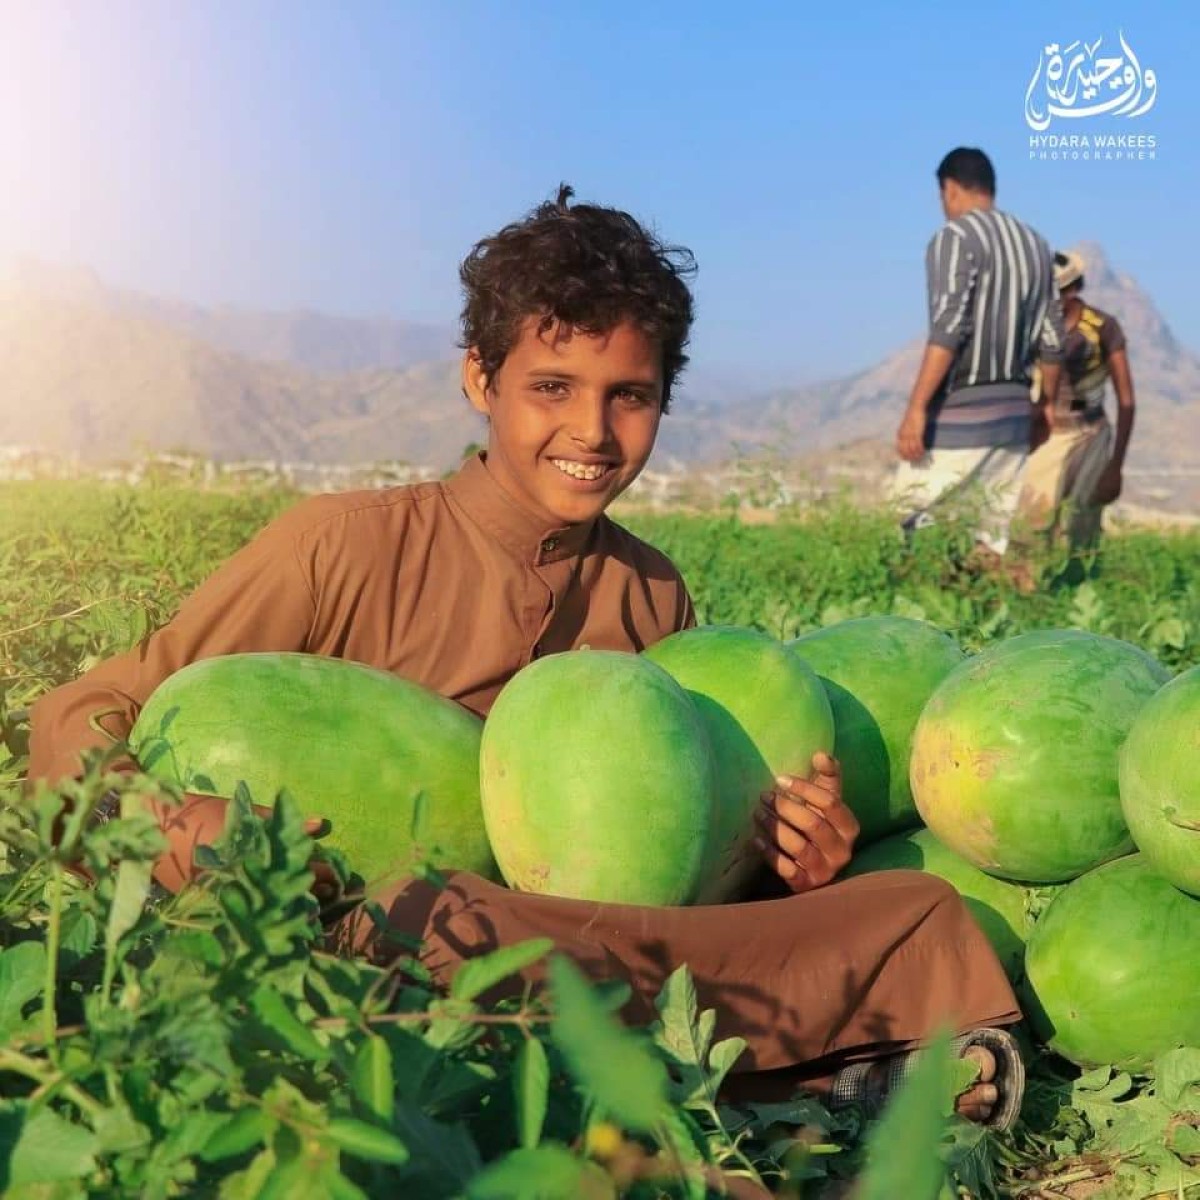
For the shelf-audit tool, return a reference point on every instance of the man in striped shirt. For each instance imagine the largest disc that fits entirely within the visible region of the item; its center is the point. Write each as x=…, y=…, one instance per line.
x=993, y=311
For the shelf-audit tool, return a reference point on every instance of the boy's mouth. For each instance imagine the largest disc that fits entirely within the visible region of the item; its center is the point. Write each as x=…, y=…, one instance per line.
x=579, y=470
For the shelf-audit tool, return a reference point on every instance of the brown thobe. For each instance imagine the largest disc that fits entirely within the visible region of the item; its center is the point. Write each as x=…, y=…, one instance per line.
x=456, y=586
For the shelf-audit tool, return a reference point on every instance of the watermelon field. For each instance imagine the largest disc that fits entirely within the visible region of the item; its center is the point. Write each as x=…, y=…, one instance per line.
x=208, y=1044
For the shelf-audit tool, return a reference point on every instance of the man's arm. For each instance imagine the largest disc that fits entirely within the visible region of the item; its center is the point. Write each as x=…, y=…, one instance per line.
x=1043, y=417
x=1108, y=486
x=1050, y=348
x=935, y=363
x=1122, y=379
x=951, y=272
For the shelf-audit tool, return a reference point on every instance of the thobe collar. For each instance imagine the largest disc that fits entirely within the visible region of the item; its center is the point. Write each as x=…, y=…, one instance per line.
x=518, y=530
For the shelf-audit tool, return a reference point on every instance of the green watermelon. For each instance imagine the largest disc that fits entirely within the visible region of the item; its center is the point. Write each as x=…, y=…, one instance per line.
x=598, y=780
x=1113, y=967
x=766, y=714
x=350, y=743
x=1160, y=781
x=1014, y=762
x=1001, y=909
x=879, y=672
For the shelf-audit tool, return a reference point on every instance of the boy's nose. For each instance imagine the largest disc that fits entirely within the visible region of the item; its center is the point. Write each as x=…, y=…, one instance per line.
x=590, y=426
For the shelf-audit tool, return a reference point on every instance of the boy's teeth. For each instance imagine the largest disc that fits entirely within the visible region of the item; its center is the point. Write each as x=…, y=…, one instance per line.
x=580, y=470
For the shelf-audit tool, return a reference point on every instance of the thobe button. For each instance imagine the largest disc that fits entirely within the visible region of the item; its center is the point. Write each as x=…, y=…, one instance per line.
x=550, y=545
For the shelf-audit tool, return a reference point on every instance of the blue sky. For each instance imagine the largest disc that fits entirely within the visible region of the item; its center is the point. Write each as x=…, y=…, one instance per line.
x=344, y=156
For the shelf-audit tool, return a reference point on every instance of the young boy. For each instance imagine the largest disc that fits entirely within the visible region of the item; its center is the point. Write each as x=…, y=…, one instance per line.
x=575, y=324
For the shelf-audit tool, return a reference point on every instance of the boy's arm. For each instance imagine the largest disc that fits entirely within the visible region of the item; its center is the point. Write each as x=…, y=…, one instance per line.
x=260, y=599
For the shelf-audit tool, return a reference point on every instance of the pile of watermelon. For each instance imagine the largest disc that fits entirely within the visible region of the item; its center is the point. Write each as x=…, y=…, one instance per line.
x=1053, y=780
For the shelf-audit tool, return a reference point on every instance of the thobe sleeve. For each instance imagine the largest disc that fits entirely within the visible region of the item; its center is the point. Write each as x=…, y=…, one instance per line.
x=951, y=272
x=262, y=599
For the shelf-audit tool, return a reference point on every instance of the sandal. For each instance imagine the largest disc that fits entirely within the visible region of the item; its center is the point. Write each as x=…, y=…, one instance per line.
x=866, y=1086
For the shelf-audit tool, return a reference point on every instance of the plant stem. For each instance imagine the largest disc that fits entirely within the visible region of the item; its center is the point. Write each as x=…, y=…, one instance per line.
x=48, y=1079
x=53, y=934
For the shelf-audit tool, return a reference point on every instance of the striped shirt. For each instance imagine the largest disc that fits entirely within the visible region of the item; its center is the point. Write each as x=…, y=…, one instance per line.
x=992, y=301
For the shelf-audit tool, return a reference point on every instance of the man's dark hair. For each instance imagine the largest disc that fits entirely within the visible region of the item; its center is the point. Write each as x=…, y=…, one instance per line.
x=969, y=168
x=589, y=268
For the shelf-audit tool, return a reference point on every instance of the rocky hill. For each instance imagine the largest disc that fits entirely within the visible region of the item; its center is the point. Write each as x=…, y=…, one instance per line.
x=102, y=374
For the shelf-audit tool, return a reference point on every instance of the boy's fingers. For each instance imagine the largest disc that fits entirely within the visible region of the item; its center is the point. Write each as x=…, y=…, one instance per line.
x=805, y=836
x=826, y=774
x=826, y=764
x=787, y=868
x=803, y=791
x=832, y=826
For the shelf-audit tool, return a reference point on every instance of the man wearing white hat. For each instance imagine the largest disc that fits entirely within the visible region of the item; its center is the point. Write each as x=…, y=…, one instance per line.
x=1077, y=468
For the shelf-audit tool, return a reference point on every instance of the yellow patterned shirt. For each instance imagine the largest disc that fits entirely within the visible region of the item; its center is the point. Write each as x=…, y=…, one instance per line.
x=1089, y=346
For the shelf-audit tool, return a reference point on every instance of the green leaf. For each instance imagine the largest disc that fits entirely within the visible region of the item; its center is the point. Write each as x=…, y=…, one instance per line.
x=22, y=973
x=903, y=1149
x=531, y=1091
x=478, y=975
x=373, y=1080
x=1177, y=1073
x=245, y=1129
x=118, y=1132
x=963, y=1074
x=128, y=903
x=686, y=1036
x=367, y=1142
x=683, y=1141
x=550, y=1172
x=621, y=1074
x=293, y=1180
x=1185, y=1140
x=78, y=938
x=282, y=1026
x=48, y=1149
x=412, y=1061
x=444, y=1157
x=339, y=1187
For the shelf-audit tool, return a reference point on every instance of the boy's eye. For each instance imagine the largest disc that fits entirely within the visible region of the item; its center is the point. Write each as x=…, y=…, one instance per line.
x=550, y=387
x=633, y=399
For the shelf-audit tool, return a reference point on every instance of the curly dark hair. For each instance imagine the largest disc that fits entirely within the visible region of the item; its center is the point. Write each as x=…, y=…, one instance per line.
x=585, y=266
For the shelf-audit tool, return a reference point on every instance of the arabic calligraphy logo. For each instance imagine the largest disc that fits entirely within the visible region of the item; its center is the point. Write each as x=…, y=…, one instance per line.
x=1073, y=81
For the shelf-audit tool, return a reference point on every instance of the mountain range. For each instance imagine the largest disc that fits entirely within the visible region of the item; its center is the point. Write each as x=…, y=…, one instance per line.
x=104, y=374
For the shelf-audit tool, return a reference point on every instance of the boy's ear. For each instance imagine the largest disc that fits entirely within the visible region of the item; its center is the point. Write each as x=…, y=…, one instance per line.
x=475, y=381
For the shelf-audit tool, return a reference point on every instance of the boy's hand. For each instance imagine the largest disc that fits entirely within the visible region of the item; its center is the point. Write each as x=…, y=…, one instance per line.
x=805, y=832
x=200, y=821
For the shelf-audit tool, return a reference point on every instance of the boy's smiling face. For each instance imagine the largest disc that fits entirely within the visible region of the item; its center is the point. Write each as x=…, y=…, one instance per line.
x=572, y=416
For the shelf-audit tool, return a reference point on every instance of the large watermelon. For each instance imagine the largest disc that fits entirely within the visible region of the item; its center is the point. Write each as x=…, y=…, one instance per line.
x=1113, y=967
x=1160, y=781
x=598, y=780
x=1014, y=762
x=353, y=744
x=1001, y=909
x=766, y=714
x=879, y=672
